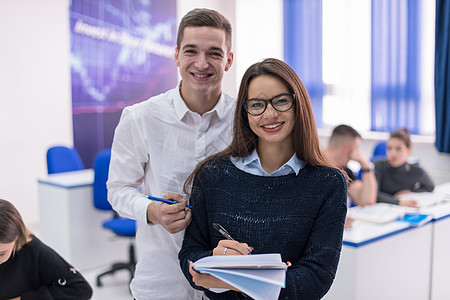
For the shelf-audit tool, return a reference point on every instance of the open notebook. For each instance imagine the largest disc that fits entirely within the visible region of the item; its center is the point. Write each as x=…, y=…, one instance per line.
x=260, y=276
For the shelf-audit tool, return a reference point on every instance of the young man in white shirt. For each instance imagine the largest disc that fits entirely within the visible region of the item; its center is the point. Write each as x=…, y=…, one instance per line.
x=158, y=143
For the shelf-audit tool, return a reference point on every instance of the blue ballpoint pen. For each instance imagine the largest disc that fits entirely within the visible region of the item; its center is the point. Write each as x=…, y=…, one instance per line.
x=164, y=200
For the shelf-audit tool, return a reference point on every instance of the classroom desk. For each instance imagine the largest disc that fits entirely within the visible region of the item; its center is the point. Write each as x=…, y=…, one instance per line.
x=388, y=261
x=70, y=224
x=395, y=261
x=440, y=262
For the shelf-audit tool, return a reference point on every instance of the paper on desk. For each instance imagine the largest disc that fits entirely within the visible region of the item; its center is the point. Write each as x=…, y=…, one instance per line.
x=378, y=212
x=426, y=199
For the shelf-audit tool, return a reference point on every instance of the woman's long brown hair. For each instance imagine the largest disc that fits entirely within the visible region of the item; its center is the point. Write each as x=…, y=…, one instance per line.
x=304, y=135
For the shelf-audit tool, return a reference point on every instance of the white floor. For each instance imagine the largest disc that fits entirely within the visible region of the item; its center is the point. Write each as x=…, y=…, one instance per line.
x=114, y=287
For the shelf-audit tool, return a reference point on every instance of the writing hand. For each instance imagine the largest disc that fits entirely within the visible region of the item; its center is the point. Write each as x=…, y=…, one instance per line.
x=173, y=217
x=229, y=247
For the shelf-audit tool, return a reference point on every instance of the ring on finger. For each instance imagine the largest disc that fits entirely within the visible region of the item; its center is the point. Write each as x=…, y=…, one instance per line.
x=225, y=251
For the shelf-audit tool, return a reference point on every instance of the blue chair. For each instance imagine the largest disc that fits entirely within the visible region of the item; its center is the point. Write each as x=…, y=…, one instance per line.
x=120, y=226
x=379, y=152
x=63, y=159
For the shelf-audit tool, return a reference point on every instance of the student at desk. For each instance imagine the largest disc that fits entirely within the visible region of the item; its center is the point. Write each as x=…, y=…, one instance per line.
x=272, y=188
x=396, y=177
x=29, y=269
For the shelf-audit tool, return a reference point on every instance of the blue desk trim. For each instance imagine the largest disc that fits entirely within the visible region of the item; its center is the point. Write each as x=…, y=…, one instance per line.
x=441, y=218
x=356, y=245
x=65, y=186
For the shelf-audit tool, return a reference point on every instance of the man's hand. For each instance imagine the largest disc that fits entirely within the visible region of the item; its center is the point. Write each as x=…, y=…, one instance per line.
x=173, y=217
x=360, y=158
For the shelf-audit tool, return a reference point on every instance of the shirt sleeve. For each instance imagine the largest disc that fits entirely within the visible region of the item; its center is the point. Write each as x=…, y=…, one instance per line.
x=426, y=183
x=382, y=197
x=129, y=158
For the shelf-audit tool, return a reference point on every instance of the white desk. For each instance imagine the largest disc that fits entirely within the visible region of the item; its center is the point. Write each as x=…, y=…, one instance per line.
x=440, y=263
x=394, y=261
x=70, y=224
x=389, y=261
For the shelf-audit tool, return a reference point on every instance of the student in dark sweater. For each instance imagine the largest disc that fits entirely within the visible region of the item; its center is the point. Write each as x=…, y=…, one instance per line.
x=396, y=177
x=31, y=270
x=272, y=189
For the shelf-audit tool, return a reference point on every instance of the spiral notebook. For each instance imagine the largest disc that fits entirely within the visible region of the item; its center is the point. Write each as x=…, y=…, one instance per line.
x=260, y=276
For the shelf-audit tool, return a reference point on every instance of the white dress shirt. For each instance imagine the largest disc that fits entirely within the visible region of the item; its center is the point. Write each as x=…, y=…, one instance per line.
x=157, y=144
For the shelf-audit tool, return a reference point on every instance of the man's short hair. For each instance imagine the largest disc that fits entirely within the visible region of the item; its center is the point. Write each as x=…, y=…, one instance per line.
x=342, y=133
x=202, y=17
x=346, y=131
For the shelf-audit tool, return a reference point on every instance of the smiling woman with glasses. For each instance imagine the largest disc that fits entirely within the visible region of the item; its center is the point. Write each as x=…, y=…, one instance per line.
x=273, y=189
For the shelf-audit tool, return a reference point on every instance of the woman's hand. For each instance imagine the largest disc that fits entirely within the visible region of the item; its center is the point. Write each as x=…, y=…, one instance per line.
x=229, y=247
x=208, y=281
x=409, y=203
x=401, y=193
x=404, y=201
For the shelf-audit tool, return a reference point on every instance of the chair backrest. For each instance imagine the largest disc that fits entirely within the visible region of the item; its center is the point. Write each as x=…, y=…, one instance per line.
x=379, y=152
x=63, y=159
x=101, y=169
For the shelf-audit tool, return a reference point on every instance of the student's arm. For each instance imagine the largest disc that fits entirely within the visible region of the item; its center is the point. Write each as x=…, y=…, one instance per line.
x=383, y=197
x=58, y=279
x=364, y=191
x=426, y=183
x=129, y=161
x=312, y=276
x=196, y=243
x=129, y=158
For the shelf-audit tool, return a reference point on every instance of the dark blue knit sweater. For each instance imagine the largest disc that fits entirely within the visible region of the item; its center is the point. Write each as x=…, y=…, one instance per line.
x=300, y=216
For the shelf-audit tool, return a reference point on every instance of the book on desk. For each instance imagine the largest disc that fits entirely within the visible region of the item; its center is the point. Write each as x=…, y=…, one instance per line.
x=416, y=219
x=260, y=276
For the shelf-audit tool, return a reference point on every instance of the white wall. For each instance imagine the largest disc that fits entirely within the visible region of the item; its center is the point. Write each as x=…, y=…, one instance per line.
x=35, y=95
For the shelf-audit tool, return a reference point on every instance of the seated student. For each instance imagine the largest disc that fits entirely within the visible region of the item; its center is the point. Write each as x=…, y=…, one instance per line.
x=395, y=176
x=343, y=146
x=272, y=189
x=31, y=270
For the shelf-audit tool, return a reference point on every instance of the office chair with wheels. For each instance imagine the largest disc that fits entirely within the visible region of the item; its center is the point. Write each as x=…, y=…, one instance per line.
x=63, y=159
x=120, y=226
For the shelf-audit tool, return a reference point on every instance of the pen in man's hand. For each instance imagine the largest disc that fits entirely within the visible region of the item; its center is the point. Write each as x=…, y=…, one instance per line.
x=164, y=200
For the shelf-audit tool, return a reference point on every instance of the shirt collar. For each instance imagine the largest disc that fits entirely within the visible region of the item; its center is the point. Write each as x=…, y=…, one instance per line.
x=294, y=163
x=181, y=109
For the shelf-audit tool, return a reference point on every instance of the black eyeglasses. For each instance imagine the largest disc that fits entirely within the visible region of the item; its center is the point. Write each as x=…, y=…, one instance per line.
x=281, y=102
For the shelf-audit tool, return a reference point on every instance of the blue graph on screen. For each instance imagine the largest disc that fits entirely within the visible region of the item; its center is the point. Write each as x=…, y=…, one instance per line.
x=121, y=54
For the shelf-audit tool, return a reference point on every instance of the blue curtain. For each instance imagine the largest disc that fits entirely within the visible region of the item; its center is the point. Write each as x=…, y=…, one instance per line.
x=442, y=75
x=303, y=47
x=395, y=65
